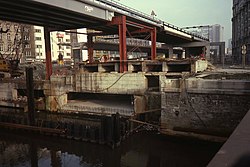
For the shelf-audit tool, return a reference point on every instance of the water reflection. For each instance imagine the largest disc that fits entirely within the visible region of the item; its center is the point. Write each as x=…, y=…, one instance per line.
x=141, y=150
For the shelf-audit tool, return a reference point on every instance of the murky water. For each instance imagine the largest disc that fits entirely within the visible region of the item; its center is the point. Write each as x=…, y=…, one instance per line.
x=140, y=150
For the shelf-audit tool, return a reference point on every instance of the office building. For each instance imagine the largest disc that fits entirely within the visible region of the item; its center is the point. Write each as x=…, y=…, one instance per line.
x=241, y=30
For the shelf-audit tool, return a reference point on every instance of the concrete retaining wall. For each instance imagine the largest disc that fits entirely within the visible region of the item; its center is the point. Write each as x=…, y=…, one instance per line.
x=115, y=83
x=204, y=106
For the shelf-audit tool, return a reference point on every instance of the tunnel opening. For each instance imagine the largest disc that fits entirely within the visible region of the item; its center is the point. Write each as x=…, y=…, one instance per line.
x=179, y=68
x=37, y=93
x=153, y=83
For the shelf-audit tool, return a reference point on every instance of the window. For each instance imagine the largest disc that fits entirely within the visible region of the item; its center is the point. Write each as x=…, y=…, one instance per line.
x=67, y=40
x=8, y=25
x=38, y=54
x=67, y=47
x=38, y=30
x=67, y=33
x=1, y=47
x=68, y=54
x=27, y=46
x=8, y=36
x=16, y=27
x=38, y=46
x=26, y=29
x=38, y=38
x=9, y=47
x=28, y=53
x=26, y=37
x=16, y=37
x=59, y=39
x=1, y=36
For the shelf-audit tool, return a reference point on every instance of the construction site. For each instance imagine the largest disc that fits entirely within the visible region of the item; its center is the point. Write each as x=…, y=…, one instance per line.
x=170, y=85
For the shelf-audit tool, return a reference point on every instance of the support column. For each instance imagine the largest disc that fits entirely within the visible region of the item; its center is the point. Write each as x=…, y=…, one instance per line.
x=222, y=53
x=123, y=44
x=208, y=57
x=90, y=48
x=170, y=52
x=153, y=44
x=187, y=53
x=48, y=53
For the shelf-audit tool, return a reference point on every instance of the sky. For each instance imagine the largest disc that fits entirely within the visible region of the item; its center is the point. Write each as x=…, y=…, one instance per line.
x=184, y=13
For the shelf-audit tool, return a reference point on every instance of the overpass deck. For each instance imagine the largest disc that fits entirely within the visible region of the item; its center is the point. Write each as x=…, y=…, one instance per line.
x=65, y=14
x=105, y=16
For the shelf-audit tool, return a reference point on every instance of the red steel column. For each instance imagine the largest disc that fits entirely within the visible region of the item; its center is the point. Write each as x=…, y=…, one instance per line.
x=90, y=45
x=123, y=44
x=48, y=53
x=153, y=43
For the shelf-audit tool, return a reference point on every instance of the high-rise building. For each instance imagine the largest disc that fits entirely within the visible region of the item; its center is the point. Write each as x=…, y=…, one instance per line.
x=230, y=43
x=213, y=32
x=216, y=33
x=39, y=43
x=60, y=44
x=241, y=29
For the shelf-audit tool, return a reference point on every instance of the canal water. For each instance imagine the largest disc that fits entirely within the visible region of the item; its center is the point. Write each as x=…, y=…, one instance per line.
x=142, y=149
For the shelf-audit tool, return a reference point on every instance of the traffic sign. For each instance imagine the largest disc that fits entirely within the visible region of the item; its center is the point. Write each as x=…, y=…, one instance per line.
x=244, y=49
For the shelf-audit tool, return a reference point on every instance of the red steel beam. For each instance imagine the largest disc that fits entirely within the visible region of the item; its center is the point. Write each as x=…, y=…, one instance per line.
x=139, y=25
x=142, y=30
x=153, y=43
x=121, y=22
x=48, y=53
x=123, y=44
x=90, y=45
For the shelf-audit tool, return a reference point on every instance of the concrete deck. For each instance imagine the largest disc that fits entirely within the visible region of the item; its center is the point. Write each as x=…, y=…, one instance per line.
x=236, y=150
x=98, y=107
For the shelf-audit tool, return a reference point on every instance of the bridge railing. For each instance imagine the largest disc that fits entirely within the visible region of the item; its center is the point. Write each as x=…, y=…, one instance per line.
x=184, y=31
x=131, y=12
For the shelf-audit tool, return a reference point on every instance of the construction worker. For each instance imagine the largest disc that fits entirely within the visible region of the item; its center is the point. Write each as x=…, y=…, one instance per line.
x=60, y=59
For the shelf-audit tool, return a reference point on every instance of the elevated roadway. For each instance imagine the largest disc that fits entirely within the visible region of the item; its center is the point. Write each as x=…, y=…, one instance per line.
x=94, y=14
x=105, y=16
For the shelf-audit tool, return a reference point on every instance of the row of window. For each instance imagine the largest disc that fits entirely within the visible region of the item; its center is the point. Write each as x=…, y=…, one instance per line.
x=10, y=47
x=61, y=40
x=27, y=38
x=16, y=27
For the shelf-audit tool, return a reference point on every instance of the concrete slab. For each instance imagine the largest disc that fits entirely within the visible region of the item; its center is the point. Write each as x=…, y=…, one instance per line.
x=98, y=106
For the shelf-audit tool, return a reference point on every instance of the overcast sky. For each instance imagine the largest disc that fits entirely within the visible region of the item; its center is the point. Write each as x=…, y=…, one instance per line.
x=188, y=12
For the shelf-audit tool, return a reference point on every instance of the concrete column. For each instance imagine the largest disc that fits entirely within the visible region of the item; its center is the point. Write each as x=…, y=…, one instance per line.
x=55, y=93
x=222, y=53
x=208, y=57
x=170, y=52
x=187, y=53
x=90, y=48
x=164, y=67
